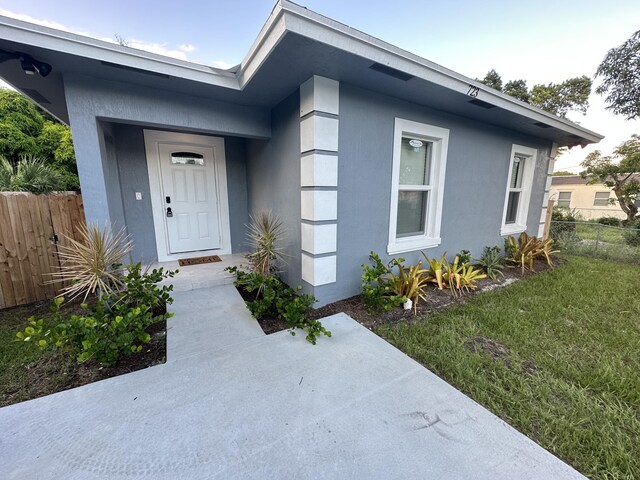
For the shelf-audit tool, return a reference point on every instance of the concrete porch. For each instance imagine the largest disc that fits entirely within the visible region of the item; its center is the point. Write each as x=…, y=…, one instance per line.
x=207, y=275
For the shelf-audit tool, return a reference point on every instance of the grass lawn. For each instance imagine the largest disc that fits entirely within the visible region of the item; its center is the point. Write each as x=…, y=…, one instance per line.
x=556, y=355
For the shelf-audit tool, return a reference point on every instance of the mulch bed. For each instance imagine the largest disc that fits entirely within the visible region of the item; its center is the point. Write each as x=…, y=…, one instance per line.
x=437, y=300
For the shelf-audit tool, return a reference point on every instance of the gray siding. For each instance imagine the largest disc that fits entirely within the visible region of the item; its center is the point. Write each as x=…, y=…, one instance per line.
x=475, y=183
x=134, y=177
x=273, y=179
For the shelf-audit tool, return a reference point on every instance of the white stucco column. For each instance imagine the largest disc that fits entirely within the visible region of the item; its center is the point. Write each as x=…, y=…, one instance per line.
x=319, y=122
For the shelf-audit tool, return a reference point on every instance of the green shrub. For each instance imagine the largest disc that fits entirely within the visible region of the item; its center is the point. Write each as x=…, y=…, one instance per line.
x=492, y=261
x=114, y=327
x=561, y=223
x=632, y=233
x=610, y=221
x=273, y=298
x=464, y=256
x=376, y=292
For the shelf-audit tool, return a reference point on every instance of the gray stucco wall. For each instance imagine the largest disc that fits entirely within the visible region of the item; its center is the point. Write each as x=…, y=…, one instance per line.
x=474, y=192
x=132, y=176
x=90, y=99
x=273, y=179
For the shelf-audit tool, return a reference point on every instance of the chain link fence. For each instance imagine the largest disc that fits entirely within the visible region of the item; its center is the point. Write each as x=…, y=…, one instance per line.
x=597, y=240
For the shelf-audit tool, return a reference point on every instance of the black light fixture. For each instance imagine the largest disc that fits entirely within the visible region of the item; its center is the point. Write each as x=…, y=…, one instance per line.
x=30, y=65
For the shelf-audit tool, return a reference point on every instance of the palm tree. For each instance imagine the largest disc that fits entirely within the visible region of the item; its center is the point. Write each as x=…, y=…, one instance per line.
x=30, y=174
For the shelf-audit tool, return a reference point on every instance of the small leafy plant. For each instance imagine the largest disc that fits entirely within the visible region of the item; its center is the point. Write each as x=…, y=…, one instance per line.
x=492, y=261
x=464, y=256
x=114, y=327
x=377, y=294
x=632, y=233
x=275, y=299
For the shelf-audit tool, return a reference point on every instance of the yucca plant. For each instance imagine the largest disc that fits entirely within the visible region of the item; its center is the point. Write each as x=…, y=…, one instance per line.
x=93, y=264
x=410, y=283
x=527, y=248
x=265, y=233
x=30, y=174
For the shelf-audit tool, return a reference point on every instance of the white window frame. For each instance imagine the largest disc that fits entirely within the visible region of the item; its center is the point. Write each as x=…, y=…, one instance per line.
x=520, y=224
x=439, y=137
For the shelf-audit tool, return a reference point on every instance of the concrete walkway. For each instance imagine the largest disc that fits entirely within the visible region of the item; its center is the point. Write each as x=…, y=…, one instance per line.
x=232, y=403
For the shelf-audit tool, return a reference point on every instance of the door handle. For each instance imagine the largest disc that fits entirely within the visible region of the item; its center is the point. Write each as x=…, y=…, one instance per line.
x=169, y=212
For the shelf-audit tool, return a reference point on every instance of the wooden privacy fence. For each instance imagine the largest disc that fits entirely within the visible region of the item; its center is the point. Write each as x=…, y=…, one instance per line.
x=31, y=228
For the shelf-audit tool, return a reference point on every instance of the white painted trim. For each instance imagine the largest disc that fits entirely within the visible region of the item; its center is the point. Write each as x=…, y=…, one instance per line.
x=440, y=139
x=319, y=133
x=319, y=205
x=319, y=170
x=318, y=270
x=152, y=140
x=320, y=94
x=527, y=185
x=319, y=239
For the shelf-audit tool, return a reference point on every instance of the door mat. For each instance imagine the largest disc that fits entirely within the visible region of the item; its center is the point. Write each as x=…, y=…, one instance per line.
x=183, y=262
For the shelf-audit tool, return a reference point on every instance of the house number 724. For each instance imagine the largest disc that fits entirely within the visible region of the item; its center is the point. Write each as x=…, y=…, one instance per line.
x=473, y=91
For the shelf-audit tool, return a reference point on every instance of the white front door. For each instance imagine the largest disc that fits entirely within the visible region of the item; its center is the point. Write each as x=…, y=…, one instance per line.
x=188, y=175
x=190, y=197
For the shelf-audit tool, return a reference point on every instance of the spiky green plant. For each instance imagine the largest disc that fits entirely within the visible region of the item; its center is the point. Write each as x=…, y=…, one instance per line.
x=265, y=233
x=93, y=264
x=30, y=174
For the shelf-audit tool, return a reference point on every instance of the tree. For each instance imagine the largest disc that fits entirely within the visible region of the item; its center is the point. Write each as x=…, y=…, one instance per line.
x=556, y=98
x=620, y=72
x=492, y=79
x=620, y=172
x=560, y=98
x=517, y=89
x=26, y=131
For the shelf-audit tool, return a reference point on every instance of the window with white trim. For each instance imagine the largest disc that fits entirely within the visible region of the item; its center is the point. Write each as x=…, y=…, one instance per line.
x=419, y=160
x=518, y=196
x=564, y=199
x=601, y=199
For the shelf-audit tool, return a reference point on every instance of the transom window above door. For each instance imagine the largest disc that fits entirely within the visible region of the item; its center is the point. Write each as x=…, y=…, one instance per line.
x=419, y=159
x=187, y=158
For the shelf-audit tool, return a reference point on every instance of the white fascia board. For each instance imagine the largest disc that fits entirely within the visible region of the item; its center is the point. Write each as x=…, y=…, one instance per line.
x=74, y=44
x=315, y=26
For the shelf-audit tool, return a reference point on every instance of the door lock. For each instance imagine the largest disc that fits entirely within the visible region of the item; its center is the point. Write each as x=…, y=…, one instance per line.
x=167, y=199
x=169, y=212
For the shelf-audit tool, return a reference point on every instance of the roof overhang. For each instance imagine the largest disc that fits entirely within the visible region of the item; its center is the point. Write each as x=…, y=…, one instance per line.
x=293, y=44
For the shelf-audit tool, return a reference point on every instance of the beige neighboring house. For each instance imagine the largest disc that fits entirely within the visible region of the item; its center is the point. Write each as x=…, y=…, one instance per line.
x=591, y=201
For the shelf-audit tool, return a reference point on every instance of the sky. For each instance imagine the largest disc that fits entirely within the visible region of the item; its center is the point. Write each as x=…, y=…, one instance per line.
x=542, y=41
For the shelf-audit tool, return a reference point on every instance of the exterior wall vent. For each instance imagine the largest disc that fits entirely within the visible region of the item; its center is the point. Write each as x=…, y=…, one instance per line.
x=133, y=69
x=481, y=104
x=392, y=72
